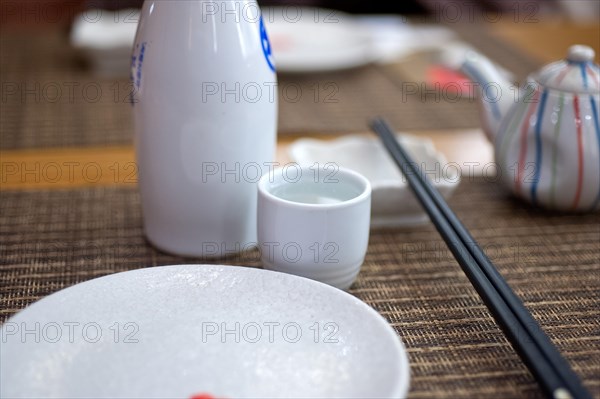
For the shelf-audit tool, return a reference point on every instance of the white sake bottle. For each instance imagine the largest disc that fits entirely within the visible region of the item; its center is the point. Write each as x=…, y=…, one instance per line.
x=205, y=111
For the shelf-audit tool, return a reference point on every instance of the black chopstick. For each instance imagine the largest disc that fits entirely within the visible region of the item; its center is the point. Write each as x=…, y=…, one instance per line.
x=524, y=333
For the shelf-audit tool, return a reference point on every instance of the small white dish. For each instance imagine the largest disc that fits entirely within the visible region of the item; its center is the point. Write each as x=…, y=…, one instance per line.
x=170, y=332
x=306, y=39
x=392, y=202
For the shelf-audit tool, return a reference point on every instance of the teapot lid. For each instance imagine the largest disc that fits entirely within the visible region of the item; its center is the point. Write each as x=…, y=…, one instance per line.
x=577, y=73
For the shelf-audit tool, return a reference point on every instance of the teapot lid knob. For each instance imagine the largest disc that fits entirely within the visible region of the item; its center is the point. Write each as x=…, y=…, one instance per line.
x=581, y=53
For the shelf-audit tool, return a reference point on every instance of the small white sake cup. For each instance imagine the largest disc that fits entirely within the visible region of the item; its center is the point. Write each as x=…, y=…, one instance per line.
x=314, y=222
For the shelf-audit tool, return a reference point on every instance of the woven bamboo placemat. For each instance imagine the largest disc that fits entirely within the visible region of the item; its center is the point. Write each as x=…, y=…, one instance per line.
x=53, y=239
x=51, y=98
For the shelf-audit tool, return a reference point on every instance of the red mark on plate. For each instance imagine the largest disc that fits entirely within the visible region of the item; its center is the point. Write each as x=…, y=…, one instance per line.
x=281, y=42
x=202, y=396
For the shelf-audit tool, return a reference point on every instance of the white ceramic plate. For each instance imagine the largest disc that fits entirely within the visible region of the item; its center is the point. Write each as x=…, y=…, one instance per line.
x=308, y=39
x=180, y=331
x=106, y=39
x=392, y=201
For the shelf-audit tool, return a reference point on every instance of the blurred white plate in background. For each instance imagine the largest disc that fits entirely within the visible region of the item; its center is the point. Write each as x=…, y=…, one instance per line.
x=106, y=39
x=308, y=39
x=304, y=39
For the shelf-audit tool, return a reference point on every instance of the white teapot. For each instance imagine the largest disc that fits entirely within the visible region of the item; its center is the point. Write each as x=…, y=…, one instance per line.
x=546, y=135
